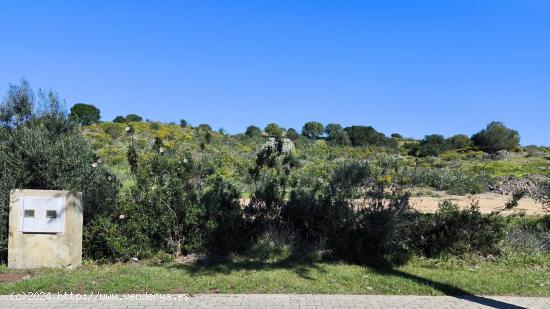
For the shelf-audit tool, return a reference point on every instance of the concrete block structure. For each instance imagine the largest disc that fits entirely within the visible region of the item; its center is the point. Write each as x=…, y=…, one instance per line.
x=45, y=229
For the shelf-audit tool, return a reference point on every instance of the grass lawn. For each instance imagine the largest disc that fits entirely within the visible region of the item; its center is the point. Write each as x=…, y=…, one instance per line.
x=507, y=276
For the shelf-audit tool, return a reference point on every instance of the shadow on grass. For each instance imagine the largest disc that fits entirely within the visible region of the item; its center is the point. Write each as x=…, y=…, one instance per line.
x=226, y=267
x=303, y=271
x=446, y=289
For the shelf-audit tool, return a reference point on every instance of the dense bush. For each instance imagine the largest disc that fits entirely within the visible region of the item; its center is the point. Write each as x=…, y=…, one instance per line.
x=528, y=235
x=174, y=204
x=314, y=215
x=432, y=145
x=204, y=127
x=292, y=134
x=459, y=141
x=41, y=149
x=128, y=118
x=381, y=234
x=367, y=135
x=453, y=231
x=360, y=212
x=452, y=180
x=253, y=131
x=222, y=202
x=436, y=144
x=336, y=135
x=182, y=189
x=133, y=118
x=119, y=119
x=270, y=176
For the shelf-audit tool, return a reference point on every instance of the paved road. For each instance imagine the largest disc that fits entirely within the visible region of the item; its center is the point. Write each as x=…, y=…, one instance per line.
x=270, y=301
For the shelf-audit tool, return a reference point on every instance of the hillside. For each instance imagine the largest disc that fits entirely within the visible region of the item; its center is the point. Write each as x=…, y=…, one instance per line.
x=458, y=172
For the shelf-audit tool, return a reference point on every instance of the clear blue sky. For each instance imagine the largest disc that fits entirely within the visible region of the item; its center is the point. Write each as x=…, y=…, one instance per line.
x=413, y=67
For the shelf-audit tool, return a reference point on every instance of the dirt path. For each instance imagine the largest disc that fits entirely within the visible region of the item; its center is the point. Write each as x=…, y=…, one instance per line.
x=487, y=202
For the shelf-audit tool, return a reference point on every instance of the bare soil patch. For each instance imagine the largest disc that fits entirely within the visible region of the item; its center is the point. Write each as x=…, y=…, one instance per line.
x=487, y=202
x=13, y=277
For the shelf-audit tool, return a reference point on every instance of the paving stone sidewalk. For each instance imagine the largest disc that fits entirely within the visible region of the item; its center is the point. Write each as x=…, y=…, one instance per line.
x=271, y=301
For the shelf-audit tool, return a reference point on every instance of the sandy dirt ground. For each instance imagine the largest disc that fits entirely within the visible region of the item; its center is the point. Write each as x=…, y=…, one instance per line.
x=487, y=202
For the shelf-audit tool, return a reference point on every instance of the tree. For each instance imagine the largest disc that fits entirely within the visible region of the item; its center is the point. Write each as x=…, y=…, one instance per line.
x=85, y=114
x=336, y=134
x=133, y=118
x=496, y=136
x=459, y=141
x=204, y=127
x=313, y=130
x=274, y=130
x=253, y=131
x=432, y=145
x=18, y=105
x=363, y=135
x=183, y=123
x=292, y=134
x=397, y=135
x=119, y=119
x=42, y=149
x=332, y=127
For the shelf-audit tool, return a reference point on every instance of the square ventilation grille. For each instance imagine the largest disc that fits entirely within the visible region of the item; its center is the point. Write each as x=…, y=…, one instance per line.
x=42, y=215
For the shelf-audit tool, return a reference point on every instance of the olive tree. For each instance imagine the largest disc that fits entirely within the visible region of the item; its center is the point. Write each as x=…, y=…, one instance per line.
x=496, y=136
x=336, y=135
x=313, y=130
x=274, y=130
x=41, y=149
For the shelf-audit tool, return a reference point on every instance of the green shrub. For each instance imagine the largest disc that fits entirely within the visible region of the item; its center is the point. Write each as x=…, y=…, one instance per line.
x=113, y=130
x=270, y=177
x=528, y=235
x=119, y=119
x=133, y=118
x=459, y=141
x=451, y=180
x=224, y=212
x=367, y=135
x=314, y=215
x=381, y=234
x=204, y=127
x=162, y=209
x=274, y=245
x=336, y=135
x=432, y=145
x=155, y=126
x=42, y=149
x=458, y=232
x=103, y=240
x=291, y=134
x=253, y=131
